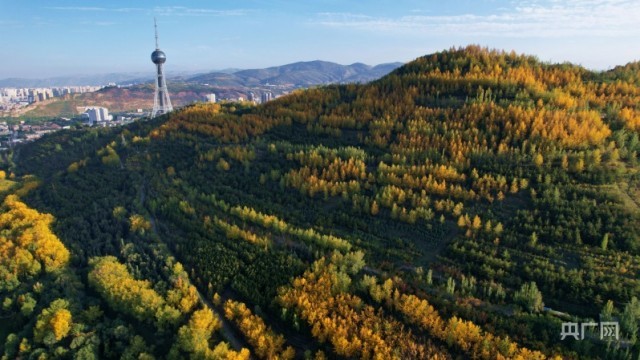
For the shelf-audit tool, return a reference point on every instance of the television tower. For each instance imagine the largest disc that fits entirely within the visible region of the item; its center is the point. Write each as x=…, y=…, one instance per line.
x=161, y=101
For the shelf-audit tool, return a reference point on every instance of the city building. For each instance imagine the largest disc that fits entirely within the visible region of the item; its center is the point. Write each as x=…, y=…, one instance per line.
x=97, y=114
x=13, y=100
x=211, y=98
x=266, y=96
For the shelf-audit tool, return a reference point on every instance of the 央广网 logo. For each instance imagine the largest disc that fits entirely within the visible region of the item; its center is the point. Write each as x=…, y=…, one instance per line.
x=609, y=330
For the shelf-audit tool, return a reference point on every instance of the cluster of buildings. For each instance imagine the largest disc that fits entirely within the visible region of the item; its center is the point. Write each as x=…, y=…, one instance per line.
x=96, y=114
x=99, y=116
x=264, y=97
x=11, y=134
x=15, y=98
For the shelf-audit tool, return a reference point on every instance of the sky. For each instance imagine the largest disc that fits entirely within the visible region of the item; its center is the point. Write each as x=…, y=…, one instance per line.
x=63, y=37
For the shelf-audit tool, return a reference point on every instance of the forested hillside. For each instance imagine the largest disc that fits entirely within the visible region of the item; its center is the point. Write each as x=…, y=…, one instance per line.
x=464, y=206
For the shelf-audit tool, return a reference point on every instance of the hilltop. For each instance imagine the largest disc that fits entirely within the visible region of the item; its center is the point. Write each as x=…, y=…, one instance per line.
x=463, y=206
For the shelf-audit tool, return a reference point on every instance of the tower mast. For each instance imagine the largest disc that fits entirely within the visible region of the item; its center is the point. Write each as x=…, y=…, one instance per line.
x=155, y=25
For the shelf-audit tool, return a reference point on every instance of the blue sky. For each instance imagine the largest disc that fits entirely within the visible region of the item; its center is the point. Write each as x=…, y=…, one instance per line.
x=52, y=38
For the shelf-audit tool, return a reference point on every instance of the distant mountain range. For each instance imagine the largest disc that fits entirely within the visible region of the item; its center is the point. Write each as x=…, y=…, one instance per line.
x=298, y=74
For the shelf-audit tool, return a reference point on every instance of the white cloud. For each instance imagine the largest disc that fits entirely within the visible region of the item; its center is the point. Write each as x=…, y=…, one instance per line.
x=552, y=18
x=159, y=10
x=77, y=8
x=98, y=23
x=93, y=8
x=186, y=11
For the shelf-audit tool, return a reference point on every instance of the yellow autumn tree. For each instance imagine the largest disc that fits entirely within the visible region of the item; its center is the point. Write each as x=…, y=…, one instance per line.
x=125, y=293
x=267, y=344
x=61, y=323
x=631, y=118
x=54, y=323
x=193, y=338
x=538, y=160
x=27, y=244
x=139, y=223
x=375, y=209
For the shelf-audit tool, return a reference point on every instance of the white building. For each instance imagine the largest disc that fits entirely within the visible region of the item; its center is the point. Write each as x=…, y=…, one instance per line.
x=10, y=93
x=211, y=98
x=266, y=96
x=97, y=114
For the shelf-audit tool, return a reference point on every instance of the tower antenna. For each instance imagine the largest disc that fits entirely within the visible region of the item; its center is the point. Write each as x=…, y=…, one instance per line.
x=155, y=25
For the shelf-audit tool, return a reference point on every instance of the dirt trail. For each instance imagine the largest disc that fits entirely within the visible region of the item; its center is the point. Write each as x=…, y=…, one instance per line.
x=227, y=330
x=629, y=201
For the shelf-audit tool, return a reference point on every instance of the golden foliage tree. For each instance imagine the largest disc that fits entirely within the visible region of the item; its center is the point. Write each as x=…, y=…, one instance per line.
x=28, y=244
x=266, y=343
x=193, y=338
x=139, y=223
x=54, y=323
x=124, y=293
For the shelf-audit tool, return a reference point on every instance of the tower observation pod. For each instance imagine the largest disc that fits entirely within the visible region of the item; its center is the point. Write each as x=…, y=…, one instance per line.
x=161, y=101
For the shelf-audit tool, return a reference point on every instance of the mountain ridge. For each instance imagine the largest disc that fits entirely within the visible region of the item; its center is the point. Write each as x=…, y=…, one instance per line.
x=302, y=73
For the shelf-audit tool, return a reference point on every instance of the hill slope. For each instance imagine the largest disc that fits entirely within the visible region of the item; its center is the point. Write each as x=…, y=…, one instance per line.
x=429, y=214
x=116, y=100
